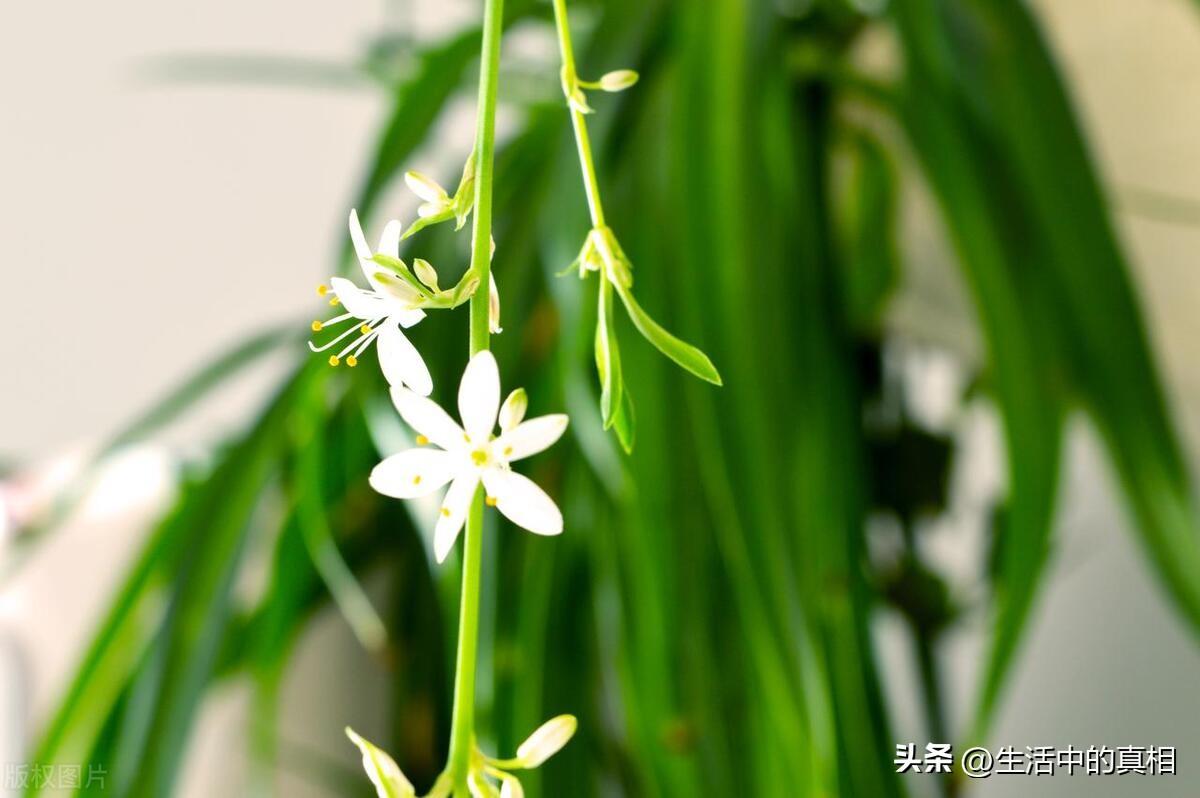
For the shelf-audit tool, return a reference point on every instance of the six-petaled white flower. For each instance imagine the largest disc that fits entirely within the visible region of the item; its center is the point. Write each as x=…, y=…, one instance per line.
x=377, y=314
x=470, y=454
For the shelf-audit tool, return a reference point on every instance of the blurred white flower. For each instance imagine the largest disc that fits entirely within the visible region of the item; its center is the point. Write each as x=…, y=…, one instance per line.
x=469, y=454
x=377, y=314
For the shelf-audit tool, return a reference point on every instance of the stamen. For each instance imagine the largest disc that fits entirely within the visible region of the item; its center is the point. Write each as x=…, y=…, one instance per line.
x=322, y=290
x=317, y=326
x=333, y=360
x=490, y=501
x=352, y=361
x=422, y=440
x=335, y=302
x=335, y=341
x=366, y=329
x=358, y=345
x=417, y=479
x=479, y=457
x=507, y=451
x=446, y=511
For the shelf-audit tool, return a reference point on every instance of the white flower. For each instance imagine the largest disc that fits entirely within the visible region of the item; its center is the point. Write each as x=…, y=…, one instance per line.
x=469, y=454
x=378, y=313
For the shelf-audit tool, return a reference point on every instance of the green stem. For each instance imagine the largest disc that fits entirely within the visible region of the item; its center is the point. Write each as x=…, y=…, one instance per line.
x=462, y=734
x=582, y=140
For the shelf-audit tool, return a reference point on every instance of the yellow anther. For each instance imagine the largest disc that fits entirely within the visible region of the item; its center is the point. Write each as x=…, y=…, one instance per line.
x=322, y=290
x=507, y=451
x=333, y=360
x=417, y=479
x=352, y=361
x=422, y=440
x=365, y=330
x=335, y=302
x=491, y=501
x=316, y=326
x=446, y=511
x=479, y=456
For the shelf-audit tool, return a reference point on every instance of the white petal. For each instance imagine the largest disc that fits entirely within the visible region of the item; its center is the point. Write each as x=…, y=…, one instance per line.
x=479, y=396
x=389, y=242
x=382, y=770
x=481, y=787
x=366, y=305
x=401, y=362
x=547, y=741
x=413, y=473
x=493, y=307
x=510, y=786
x=428, y=419
x=531, y=437
x=453, y=514
x=425, y=187
x=360, y=240
x=523, y=502
x=408, y=318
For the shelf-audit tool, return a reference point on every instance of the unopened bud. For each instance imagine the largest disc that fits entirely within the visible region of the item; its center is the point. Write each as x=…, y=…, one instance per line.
x=618, y=80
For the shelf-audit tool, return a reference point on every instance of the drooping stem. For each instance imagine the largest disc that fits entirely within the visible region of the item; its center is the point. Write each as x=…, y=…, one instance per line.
x=462, y=733
x=582, y=140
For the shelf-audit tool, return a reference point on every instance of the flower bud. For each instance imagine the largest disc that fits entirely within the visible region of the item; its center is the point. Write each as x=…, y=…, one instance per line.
x=426, y=273
x=547, y=741
x=493, y=306
x=426, y=188
x=382, y=770
x=619, y=80
x=512, y=412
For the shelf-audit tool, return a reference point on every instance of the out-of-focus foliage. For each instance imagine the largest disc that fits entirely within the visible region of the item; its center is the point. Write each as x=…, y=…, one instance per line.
x=707, y=614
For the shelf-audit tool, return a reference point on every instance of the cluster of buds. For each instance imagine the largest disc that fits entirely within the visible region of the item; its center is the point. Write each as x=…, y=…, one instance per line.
x=576, y=89
x=484, y=772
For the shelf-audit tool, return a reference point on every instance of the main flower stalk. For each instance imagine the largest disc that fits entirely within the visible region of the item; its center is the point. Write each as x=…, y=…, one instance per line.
x=462, y=732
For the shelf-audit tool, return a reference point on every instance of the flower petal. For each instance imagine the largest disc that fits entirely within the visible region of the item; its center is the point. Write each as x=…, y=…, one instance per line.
x=530, y=437
x=523, y=502
x=428, y=419
x=366, y=305
x=510, y=786
x=480, y=787
x=382, y=770
x=389, y=242
x=413, y=473
x=361, y=248
x=401, y=362
x=479, y=396
x=453, y=514
x=547, y=740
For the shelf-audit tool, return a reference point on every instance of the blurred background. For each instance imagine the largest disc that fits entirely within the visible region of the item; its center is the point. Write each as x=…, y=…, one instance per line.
x=943, y=252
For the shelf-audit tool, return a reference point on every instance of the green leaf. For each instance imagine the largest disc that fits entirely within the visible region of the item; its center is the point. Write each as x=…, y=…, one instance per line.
x=683, y=353
x=985, y=91
x=310, y=503
x=218, y=527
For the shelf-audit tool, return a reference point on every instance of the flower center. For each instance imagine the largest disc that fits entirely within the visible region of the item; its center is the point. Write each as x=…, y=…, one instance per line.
x=480, y=457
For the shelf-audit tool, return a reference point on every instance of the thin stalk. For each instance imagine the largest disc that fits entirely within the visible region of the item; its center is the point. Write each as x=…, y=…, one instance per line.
x=462, y=733
x=583, y=141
